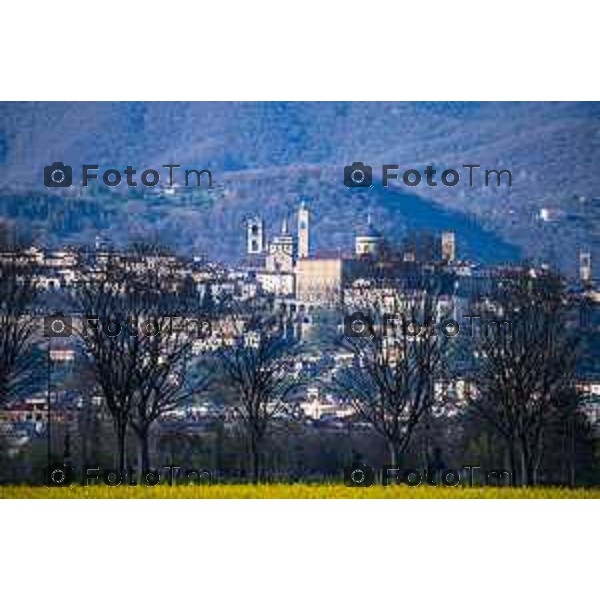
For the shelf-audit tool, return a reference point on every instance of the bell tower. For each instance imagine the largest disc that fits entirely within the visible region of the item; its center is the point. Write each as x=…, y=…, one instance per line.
x=585, y=267
x=255, y=234
x=448, y=246
x=303, y=231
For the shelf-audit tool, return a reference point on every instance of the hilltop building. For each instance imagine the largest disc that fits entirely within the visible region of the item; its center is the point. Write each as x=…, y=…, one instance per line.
x=321, y=280
x=585, y=267
x=281, y=251
x=291, y=271
x=303, y=231
x=368, y=240
x=448, y=246
x=256, y=236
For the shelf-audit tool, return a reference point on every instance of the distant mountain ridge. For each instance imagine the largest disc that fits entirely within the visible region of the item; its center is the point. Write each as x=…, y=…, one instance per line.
x=265, y=156
x=214, y=224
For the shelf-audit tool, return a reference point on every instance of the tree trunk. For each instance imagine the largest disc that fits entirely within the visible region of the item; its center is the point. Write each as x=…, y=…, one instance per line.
x=572, y=452
x=393, y=450
x=513, y=463
x=143, y=450
x=121, y=430
x=255, y=448
x=523, y=466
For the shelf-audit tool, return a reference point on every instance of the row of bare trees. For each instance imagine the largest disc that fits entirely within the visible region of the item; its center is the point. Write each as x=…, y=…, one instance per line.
x=522, y=379
x=523, y=383
x=141, y=376
x=142, y=366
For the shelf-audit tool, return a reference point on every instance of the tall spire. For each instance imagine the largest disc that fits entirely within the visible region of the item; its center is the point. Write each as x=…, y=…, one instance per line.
x=284, y=227
x=303, y=231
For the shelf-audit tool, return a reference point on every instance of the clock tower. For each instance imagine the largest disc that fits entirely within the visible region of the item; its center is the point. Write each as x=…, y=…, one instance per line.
x=303, y=231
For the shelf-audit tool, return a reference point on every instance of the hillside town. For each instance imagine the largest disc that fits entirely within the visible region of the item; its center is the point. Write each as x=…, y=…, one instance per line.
x=313, y=290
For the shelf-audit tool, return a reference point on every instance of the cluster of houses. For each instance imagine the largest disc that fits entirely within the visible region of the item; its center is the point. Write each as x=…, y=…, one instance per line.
x=303, y=282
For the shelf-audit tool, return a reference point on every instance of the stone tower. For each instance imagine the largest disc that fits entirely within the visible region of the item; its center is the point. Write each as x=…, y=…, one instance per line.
x=585, y=266
x=255, y=235
x=303, y=231
x=448, y=246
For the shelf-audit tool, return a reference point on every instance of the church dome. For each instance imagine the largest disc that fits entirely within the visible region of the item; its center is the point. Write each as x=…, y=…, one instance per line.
x=368, y=239
x=367, y=230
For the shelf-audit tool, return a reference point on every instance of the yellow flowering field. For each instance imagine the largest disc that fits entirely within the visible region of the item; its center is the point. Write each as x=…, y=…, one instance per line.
x=295, y=491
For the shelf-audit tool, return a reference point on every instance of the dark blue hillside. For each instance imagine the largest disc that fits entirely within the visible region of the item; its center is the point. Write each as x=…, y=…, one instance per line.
x=267, y=154
x=213, y=223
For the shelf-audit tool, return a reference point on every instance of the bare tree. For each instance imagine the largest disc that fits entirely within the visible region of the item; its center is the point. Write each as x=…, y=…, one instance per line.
x=166, y=377
x=257, y=367
x=18, y=359
x=139, y=335
x=112, y=357
x=525, y=378
x=391, y=381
